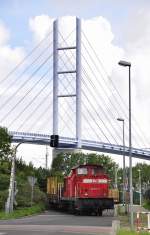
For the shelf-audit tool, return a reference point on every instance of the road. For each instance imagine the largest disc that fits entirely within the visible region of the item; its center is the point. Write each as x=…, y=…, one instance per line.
x=57, y=223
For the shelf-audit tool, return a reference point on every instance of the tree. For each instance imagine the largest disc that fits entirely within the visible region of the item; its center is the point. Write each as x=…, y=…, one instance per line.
x=63, y=163
x=5, y=143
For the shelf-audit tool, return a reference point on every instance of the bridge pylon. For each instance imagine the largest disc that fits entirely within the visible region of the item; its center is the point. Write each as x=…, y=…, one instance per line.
x=56, y=81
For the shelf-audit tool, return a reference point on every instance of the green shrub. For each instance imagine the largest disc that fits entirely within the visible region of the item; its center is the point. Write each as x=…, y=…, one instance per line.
x=23, y=197
x=147, y=205
x=3, y=198
x=4, y=181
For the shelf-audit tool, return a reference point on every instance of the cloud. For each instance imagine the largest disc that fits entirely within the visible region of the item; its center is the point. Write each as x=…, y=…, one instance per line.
x=137, y=50
x=40, y=26
x=9, y=56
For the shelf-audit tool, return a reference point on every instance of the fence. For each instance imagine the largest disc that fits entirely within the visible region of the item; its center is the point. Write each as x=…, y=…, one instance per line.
x=140, y=225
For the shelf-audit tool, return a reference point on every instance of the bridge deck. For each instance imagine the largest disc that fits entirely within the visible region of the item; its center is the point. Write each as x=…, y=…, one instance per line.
x=65, y=142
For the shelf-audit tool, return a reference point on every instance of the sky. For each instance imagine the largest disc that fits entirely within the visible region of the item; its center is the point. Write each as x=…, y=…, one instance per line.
x=117, y=30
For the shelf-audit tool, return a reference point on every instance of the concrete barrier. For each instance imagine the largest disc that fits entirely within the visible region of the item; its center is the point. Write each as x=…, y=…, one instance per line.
x=115, y=226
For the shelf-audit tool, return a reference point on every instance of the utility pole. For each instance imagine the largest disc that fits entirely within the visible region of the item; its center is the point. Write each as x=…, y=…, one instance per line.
x=124, y=165
x=140, y=186
x=32, y=180
x=9, y=206
x=128, y=64
x=46, y=158
x=116, y=176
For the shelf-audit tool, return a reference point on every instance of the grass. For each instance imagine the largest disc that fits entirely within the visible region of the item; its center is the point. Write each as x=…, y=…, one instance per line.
x=127, y=232
x=21, y=212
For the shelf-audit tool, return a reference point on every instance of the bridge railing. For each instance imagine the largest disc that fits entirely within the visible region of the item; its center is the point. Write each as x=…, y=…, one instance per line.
x=67, y=142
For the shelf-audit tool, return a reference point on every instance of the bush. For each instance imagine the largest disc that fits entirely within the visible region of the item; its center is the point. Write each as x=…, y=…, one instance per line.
x=147, y=195
x=4, y=181
x=23, y=197
x=3, y=199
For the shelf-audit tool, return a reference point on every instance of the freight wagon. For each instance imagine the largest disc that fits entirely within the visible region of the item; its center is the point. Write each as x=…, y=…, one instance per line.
x=86, y=189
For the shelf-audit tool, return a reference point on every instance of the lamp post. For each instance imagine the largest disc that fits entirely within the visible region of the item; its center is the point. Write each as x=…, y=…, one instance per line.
x=128, y=64
x=140, y=188
x=116, y=177
x=124, y=173
x=11, y=196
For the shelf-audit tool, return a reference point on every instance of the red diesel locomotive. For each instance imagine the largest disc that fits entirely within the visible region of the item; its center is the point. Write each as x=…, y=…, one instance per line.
x=86, y=189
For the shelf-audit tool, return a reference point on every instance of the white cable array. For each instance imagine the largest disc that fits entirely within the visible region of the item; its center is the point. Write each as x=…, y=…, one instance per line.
x=70, y=84
x=25, y=58
x=27, y=93
x=99, y=116
x=47, y=97
x=121, y=105
x=31, y=101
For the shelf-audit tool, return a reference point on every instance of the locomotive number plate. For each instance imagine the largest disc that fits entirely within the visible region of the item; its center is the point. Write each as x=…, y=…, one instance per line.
x=97, y=181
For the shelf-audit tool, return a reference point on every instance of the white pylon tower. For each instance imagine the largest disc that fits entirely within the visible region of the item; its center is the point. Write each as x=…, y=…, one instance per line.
x=56, y=74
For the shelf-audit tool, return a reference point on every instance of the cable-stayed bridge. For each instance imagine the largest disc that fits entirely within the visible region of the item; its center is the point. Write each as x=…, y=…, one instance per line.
x=62, y=87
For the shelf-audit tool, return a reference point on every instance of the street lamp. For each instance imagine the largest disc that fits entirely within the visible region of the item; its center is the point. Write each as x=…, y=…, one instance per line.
x=116, y=176
x=140, y=188
x=128, y=64
x=124, y=173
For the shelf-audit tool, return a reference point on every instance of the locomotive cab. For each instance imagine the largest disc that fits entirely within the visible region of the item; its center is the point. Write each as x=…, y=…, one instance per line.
x=91, y=182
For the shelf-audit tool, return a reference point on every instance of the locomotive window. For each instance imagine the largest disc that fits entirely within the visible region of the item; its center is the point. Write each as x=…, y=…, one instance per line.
x=96, y=171
x=82, y=171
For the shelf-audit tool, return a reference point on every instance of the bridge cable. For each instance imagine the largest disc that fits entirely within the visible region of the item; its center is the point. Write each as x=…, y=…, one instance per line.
x=25, y=94
x=100, y=118
x=114, y=87
x=95, y=98
x=72, y=86
x=25, y=58
x=24, y=83
x=31, y=101
x=35, y=109
x=104, y=80
x=23, y=72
